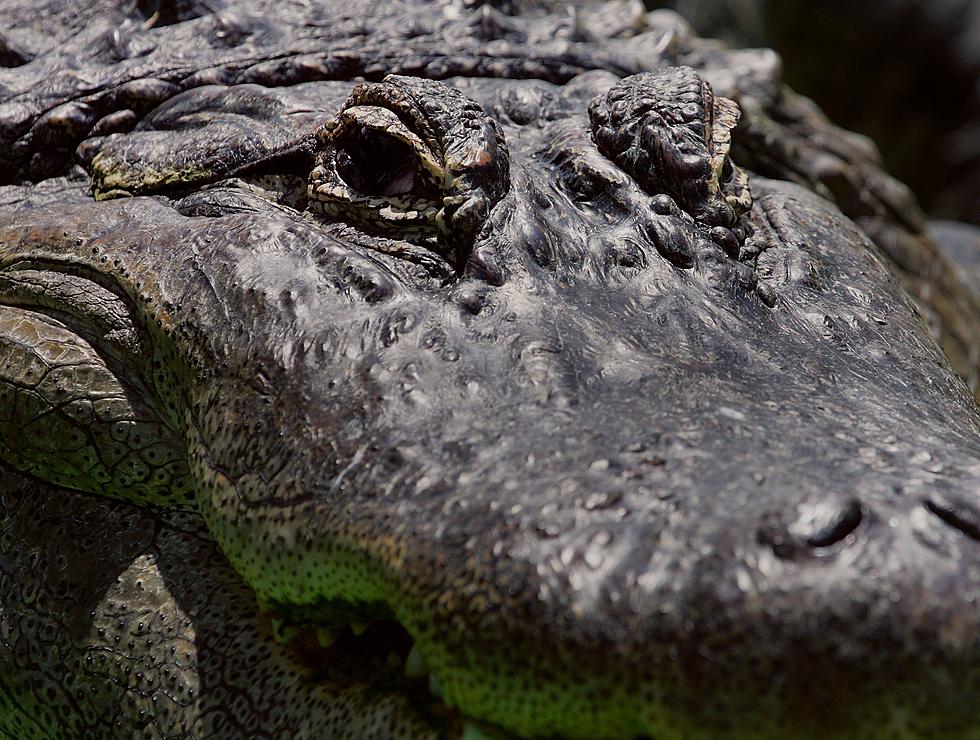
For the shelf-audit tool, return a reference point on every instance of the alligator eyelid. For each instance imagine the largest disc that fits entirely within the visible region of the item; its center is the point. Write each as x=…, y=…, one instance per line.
x=408, y=110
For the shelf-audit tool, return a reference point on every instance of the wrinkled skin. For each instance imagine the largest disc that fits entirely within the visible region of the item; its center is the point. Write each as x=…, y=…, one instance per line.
x=513, y=366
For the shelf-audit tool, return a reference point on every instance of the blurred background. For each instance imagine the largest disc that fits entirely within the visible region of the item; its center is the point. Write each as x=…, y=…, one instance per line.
x=904, y=72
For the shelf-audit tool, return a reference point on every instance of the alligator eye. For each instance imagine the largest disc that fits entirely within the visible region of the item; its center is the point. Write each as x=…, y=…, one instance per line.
x=413, y=161
x=375, y=164
x=377, y=173
x=669, y=131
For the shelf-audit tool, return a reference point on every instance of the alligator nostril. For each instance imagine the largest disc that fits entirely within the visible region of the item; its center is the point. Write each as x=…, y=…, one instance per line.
x=825, y=524
x=818, y=524
x=625, y=255
x=956, y=513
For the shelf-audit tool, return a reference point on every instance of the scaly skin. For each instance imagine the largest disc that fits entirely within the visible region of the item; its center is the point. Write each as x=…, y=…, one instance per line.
x=629, y=440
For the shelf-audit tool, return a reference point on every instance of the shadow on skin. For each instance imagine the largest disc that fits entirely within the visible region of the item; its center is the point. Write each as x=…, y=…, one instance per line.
x=157, y=636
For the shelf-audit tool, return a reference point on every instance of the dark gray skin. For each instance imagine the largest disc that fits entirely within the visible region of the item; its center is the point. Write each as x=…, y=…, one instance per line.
x=625, y=439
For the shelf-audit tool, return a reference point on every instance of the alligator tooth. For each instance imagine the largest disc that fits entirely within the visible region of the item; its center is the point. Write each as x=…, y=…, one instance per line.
x=471, y=731
x=283, y=631
x=359, y=628
x=435, y=688
x=327, y=636
x=415, y=665
x=393, y=662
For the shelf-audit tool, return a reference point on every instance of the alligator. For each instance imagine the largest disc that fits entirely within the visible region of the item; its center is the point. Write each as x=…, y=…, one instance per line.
x=436, y=369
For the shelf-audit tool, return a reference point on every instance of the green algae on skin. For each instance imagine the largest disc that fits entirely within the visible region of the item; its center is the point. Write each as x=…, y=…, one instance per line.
x=111, y=180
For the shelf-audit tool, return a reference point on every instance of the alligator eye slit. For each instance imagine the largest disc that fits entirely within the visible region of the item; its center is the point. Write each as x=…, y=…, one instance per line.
x=374, y=163
x=727, y=171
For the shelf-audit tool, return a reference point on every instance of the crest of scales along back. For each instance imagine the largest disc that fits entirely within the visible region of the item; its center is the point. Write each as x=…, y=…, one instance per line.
x=428, y=370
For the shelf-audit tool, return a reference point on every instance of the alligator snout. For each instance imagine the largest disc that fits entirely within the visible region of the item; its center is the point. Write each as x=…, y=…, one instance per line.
x=551, y=589
x=599, y=513
x=620, y=602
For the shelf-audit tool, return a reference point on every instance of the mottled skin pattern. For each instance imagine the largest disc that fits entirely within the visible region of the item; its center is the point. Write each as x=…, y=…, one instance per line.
x=495, y=354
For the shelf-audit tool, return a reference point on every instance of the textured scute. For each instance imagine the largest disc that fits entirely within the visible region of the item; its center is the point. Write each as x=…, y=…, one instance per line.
x=67, y=413
x=221, y=129
x=620, y=462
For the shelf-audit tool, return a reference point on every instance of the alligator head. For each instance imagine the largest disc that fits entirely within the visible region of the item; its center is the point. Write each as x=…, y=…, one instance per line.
x=602, y=434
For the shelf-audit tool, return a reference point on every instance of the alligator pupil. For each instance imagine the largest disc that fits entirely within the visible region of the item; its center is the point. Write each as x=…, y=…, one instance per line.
x=727, y=171
x=374, y=163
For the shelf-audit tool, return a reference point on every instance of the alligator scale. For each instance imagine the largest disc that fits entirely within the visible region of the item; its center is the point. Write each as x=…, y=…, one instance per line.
x=440, y=369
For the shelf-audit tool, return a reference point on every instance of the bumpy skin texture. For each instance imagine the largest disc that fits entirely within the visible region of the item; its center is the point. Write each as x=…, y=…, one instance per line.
x=630, y=440
x=130, y=623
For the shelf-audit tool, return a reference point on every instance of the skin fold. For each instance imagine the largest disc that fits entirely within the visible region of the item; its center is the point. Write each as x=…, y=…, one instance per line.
x=432, y=370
